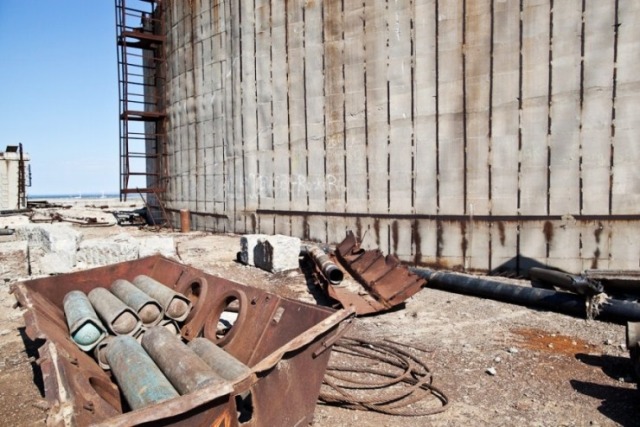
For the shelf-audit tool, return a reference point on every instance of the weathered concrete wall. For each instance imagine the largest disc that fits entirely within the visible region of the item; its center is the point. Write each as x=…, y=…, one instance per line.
x=455, y=133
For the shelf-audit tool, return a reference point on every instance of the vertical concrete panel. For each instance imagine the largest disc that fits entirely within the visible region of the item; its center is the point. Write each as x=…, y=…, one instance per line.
x=625, y=246
x=425, y=90
x=504, y=245
x=264, y=94
x=452, y=241
x=533, y=243
x=626, y=180
x=477, y=72
x=505, y=109
x=594, y=250
x=236, y=183
x=356, y=178
x=478, y=246
x=565, y=108
x=315, y=116
x=535, y=111
x=249, y=109
x=450, y=104
x=297, y=115
x=376, y=38
x=281, y=155
x=334, y=87
x=599, y=25
x=401, y=162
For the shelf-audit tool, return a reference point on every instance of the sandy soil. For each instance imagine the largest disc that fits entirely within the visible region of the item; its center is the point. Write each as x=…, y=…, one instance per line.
x=550, y=369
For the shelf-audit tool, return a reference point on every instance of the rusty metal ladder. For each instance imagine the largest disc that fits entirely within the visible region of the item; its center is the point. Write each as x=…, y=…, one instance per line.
x=141, y=74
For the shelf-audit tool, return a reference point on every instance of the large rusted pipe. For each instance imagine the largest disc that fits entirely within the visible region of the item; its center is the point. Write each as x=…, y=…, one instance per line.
x=119, y=318
x=185, y=220
x=148, y=309
x=563, y=302
x=84, y=326
x=186, y=371
x=176, y=306
x=141, y=381
x=223, y=364
x=330, y=271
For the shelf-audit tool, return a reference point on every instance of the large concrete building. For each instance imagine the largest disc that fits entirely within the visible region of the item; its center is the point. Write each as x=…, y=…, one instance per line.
x=14, y=166
x=465, y=134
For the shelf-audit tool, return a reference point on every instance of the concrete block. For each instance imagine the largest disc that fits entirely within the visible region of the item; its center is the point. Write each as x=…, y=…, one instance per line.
x=52, y=247
x=50, y=237
x=277, y=253
x=162, y=245
x=98, y=252
x=248, y=244
x=14, y=260
x=46, y=263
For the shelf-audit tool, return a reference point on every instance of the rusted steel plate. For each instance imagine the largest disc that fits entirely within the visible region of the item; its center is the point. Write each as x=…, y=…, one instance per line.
x=282, y=341
x=386, y=281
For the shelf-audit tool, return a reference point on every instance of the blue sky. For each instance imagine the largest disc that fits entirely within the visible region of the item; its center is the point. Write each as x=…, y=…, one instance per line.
x=59, y=92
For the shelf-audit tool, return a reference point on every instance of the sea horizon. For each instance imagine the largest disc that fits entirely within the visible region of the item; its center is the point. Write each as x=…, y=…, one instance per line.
x=96, y=195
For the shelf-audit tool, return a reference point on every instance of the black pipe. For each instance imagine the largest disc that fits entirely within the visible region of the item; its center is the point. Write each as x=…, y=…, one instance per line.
x=614, y=310
x=577, y=284
x=329, y=270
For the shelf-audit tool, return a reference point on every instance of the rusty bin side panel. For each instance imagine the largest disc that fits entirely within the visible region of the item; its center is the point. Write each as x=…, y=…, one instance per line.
x=80, y=393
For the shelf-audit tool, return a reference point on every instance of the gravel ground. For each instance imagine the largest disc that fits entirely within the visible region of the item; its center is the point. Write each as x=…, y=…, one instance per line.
x=499, y=364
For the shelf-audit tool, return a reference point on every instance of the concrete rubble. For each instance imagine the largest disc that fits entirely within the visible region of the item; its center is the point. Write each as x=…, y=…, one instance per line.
x=271, y=253
x=13, y=260
x=44, y=249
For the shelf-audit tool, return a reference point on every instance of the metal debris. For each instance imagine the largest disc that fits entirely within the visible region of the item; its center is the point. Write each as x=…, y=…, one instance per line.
x=139, y=378
x=600, y=306
x=580, y=285
x=85, y=328
x=284, y=343
x=131, y=218
x=381, y=377
x=329, y=269
x=386, y=282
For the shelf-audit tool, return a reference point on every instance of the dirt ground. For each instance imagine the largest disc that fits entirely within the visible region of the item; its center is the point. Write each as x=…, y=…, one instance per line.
x=550, y=369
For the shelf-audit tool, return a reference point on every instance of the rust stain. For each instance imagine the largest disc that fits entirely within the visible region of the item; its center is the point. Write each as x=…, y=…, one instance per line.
x=439, y=240
x=394, y=236
x=464, y=244
x=548, y=342
x=501, y=233
x=376, y=228
x=548, y=231
x=216, y=17
x=594, y=261
x=417, y=241
x=359, y=228
x=305, y=227
x=254, y=220
x=597, y=233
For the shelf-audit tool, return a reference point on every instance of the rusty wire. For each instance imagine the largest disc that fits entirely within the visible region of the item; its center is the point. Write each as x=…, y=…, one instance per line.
x=381, y=377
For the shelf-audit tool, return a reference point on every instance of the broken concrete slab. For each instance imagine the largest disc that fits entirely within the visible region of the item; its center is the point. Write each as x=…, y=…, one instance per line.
x=98, y=252
x=50, y=237
x=277, y=253
x=14, y=260
x=52, y=247
x=153, y=245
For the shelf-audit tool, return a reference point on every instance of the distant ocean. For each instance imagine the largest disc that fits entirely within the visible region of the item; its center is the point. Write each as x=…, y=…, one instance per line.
x=73, y=196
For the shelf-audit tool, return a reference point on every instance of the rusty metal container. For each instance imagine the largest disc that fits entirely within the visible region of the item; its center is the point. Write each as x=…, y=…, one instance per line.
x=283, y=342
